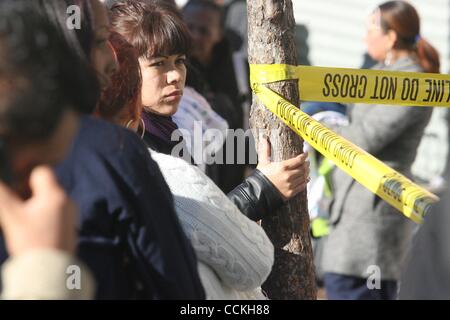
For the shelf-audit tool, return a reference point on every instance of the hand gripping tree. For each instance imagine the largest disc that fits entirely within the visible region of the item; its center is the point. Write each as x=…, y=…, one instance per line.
x=271, y=40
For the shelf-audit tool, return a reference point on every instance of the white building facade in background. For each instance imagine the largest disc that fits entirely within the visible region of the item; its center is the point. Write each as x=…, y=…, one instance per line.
x=336, y=29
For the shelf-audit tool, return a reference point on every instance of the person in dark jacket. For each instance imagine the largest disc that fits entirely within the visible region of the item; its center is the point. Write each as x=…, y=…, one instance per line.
x=211, y=52
x=129, y=233
x=212, y=61
x=161, y=38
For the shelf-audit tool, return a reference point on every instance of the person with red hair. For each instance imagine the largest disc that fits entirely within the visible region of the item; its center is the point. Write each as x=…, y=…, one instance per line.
x=119, y=103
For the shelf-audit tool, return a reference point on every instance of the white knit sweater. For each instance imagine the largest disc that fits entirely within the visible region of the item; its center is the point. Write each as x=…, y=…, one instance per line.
x=235, y=255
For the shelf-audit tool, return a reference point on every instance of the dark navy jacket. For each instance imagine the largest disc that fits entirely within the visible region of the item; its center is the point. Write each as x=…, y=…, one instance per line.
x=129, y=235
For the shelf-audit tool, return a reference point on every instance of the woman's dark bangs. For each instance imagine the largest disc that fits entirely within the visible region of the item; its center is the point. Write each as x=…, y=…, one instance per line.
x=170, y=37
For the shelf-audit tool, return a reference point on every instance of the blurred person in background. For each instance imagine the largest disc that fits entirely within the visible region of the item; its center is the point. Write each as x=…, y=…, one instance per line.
x=211, y=54
x=38, y=91
x=426, y=274
x=366, y=233
x=212, y=73
x=130, y=236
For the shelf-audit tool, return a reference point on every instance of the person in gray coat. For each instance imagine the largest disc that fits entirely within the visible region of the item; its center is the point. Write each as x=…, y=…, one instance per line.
x=368, y=238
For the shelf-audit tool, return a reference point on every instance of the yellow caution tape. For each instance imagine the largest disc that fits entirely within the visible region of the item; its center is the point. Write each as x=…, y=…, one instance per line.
x=360, y=86
x=410, y=199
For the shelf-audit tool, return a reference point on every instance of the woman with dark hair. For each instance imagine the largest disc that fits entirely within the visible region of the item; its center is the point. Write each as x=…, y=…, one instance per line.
x=162, y=41
x=88, y=40
x=37, y=94
x=368, y=238
x=130, y=236
x=235, y=255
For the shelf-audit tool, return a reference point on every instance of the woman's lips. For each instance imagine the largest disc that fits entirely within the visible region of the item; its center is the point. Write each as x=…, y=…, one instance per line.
x=175, y=93
x=173, y=96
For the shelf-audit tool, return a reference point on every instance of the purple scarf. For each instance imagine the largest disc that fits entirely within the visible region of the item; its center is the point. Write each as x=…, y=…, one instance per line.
x=159, y=126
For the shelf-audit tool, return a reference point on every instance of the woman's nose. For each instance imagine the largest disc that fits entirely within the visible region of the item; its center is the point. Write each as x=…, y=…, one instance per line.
x=173, y=76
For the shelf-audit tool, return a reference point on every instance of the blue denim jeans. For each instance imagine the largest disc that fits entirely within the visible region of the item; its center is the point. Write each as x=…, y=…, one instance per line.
x=343, y=287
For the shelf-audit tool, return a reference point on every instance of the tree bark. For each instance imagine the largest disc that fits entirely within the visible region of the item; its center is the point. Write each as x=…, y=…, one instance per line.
x=271, y=40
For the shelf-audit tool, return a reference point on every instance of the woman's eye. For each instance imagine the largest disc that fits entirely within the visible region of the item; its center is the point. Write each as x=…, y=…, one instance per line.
x=157, y=64
x=181, y=60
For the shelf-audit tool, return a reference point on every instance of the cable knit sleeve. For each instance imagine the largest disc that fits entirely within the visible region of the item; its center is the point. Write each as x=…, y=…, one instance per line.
x=235, y=247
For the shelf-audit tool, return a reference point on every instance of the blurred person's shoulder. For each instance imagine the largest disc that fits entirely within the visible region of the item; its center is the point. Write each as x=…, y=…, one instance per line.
x=109, y=142
x=101, y=136
x=104, y=148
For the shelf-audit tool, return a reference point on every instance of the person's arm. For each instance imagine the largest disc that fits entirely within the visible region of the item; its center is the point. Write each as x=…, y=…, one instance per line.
x=46, y=273
x=157, y=236
x=40, y=237
x=271, y=184
x=236, y=248
x=256, y=197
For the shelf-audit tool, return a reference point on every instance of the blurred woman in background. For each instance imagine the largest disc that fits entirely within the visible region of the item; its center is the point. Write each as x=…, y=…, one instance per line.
x=367, y=236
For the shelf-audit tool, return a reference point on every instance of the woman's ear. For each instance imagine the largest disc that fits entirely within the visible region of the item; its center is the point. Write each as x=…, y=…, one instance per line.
x=391, y=39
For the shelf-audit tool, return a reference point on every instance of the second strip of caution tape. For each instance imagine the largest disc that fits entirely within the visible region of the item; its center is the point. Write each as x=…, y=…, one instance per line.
x=400, y=192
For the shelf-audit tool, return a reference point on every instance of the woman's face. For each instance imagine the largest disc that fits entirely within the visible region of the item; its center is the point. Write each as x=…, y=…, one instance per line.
x=163, y=80
x=205, y=29
x=102, y=57
x=378, y=42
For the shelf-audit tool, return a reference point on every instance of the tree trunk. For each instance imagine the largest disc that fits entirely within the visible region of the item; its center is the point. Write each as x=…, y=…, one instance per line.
x=271, y=40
